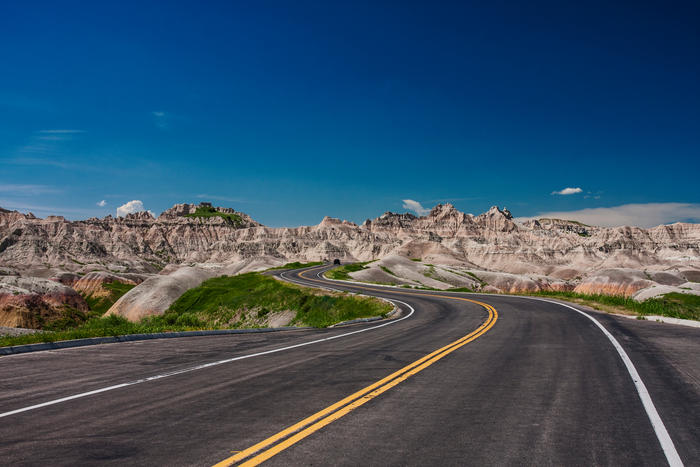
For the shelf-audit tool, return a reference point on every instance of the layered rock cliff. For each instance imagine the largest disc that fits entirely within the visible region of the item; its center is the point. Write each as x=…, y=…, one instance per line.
x=545, y=253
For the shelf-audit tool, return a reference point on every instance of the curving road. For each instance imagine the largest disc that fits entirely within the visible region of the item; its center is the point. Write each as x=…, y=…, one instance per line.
x=456, y=379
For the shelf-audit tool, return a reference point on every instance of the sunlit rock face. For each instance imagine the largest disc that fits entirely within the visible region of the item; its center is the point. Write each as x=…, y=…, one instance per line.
x=492, y=241
x=543, y=254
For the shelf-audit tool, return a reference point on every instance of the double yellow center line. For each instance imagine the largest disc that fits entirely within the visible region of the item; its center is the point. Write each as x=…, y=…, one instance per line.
x=276, y=443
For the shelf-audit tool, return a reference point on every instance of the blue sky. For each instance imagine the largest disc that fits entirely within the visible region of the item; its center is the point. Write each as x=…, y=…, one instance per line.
x=290, y=111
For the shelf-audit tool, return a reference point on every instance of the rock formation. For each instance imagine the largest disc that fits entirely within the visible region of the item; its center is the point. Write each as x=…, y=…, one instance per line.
x=179, y=249
x=31, y=302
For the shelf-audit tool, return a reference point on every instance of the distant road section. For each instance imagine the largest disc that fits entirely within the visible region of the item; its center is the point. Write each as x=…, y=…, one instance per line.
x=456, y=379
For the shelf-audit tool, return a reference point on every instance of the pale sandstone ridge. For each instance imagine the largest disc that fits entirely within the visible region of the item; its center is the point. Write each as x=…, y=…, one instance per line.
x=491, y=252
x=158, y=292
x=92, y=283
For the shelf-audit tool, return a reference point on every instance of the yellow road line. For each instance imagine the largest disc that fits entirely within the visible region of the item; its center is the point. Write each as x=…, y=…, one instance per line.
x=331, y=413
x=396, y=292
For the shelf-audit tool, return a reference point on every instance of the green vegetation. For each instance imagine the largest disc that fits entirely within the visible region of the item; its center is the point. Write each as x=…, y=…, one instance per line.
x=205, y=211
x=100, y=305
x=343, y=272
x=475, y=277
x=387, y=270
x=673, y=305
x=418, y=260
x=224, y=303
x=95, y=327
x=69, y=318
x=297, y=265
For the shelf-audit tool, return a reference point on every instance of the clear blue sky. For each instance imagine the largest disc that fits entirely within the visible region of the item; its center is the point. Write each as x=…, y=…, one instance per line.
x=290, y=111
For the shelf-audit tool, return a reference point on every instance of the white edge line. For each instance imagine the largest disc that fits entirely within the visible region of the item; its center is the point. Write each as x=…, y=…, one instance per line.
x=662, y=435
x=205, y=365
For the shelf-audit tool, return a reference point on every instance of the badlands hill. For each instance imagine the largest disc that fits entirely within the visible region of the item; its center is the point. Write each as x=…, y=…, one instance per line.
x=446, y=248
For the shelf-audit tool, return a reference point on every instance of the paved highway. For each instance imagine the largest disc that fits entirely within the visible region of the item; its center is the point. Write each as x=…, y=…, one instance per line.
x=456, y=379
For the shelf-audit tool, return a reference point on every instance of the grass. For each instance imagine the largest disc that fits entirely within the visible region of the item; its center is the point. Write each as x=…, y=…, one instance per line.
x=387, y=270
x=418, y=260
x=204, y=212
x=97, y=327
x=673, y=305
x=343, y=272
x=297, y=265
x=224, y=303
x=68, y=318
x=244, y=299
x=100, y=305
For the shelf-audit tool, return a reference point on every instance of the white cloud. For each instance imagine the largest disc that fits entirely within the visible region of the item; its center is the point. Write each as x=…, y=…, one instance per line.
x=567, y=191
x=415, y=206
x=130, y=208
x=102, y=203
x=641, y=215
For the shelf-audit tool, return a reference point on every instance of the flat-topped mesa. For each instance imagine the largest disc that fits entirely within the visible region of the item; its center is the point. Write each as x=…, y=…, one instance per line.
x=206, y=213
x=178, y=210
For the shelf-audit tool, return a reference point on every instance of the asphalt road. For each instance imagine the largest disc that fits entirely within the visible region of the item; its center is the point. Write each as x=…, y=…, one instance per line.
x=534, y=384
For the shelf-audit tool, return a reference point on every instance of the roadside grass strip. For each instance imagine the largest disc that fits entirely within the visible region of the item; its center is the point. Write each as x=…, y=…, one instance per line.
x=205, y=365
x=277, y=443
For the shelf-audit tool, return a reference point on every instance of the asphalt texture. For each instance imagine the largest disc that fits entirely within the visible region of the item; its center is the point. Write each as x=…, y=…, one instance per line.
x=543, y=386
